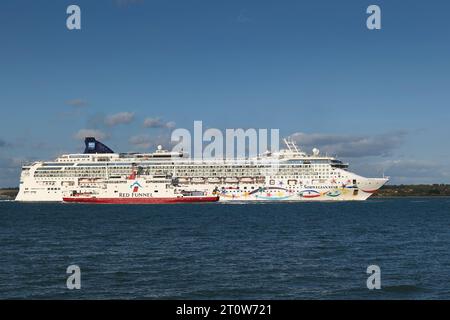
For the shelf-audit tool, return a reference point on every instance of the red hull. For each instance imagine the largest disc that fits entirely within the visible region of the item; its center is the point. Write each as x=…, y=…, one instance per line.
x=141, y=200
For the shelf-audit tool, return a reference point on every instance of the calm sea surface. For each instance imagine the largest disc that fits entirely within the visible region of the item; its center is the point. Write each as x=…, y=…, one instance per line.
x=227, y=251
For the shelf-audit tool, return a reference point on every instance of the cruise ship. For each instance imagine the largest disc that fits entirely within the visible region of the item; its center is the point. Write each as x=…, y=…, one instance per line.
x=287, y=175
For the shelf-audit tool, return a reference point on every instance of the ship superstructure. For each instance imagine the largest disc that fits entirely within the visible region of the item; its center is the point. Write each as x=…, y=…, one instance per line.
x=290, y=175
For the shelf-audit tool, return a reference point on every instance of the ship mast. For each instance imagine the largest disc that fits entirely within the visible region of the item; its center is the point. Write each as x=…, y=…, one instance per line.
x=291, y=145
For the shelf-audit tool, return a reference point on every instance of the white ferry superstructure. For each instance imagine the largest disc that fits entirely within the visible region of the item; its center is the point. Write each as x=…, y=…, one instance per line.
x=287, y=175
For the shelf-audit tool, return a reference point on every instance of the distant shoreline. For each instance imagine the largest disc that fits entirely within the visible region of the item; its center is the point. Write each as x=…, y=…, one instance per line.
x=8, y=193
x=419, y=190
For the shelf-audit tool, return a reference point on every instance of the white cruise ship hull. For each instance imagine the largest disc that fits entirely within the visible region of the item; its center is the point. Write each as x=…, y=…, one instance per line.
x=289, y=175
x=242, y=193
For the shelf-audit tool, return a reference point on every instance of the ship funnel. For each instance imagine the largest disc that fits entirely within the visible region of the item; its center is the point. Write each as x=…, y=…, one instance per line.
x=94, y=146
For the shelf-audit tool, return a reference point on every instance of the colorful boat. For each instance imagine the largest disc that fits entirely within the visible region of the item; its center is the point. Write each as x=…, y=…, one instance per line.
x=139, y=190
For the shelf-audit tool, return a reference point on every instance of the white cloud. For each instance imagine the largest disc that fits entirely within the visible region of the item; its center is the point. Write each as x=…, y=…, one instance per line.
x=10, y=171
x=158, y=123
x=145, y=141
x=402, y=170
x=77, y=103
x=141, y=141
x=119, y=118
x=406, y=168
x=351, y=145
x=170, y=125
x=3, y=143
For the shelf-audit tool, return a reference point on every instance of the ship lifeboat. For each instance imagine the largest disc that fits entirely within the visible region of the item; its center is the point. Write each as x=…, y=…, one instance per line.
x=214, y=180
x=183, y=180
x=198, y=180
x=231, y=180
x=247, y=180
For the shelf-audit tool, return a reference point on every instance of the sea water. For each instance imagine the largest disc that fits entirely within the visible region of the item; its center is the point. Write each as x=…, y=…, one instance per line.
x=309, y=250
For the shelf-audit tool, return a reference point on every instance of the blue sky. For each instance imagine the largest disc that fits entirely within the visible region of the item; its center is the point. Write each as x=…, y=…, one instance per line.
x=379, y=99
